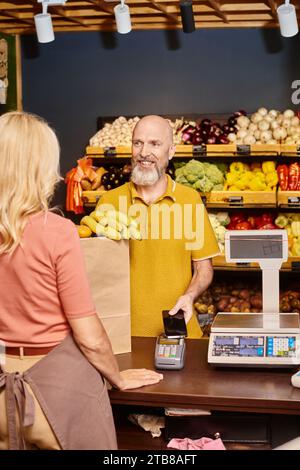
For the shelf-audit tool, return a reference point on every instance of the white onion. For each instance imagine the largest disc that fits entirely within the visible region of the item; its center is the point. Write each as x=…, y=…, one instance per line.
x=265, y=136
x=243, y=122
x=275, y=125
x=262, y=111
x=263, y=125
x=241, y=134
x=273, y=113
x=257, y=134
x=249, y=139
x=288, y=113
x=286, y=123
x=279, y=134
x=256, y=117
x=252, y=126
x=295, y=121
x=272, y=141
x=231, y=137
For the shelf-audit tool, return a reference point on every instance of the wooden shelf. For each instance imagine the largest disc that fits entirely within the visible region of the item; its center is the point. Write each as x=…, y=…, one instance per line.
x=190, y=151
x=288, y=199
x=242, y=199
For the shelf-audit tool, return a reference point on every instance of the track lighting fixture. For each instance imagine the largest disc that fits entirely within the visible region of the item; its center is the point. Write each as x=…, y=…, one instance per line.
x=187, y=16
x=287, y=19
x=122, y=15
x=43, y=21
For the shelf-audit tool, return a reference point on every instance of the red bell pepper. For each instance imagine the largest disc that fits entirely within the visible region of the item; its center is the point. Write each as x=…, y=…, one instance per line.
x=294, y=176
x=283, y=177
x=237, y=217
x=230, y=226
x=251, y=220
x=243, y=226
x=268, y=227
x=263, y=219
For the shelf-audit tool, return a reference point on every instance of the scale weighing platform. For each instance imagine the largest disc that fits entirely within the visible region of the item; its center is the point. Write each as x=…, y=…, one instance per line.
x=268, y=339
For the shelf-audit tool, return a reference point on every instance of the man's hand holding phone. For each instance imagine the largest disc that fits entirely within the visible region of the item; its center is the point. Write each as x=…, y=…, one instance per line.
x=184, y=303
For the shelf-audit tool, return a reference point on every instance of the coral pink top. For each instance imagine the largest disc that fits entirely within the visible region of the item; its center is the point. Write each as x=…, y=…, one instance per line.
x=43, y=283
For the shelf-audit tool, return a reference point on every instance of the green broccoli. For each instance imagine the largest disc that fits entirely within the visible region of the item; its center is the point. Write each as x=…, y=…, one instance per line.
x=214, y=174
x=218, y=187
x=193, y=170
x=204, y=185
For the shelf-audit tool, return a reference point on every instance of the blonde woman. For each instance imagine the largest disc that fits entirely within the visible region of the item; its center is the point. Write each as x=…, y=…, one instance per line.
x=52, y=394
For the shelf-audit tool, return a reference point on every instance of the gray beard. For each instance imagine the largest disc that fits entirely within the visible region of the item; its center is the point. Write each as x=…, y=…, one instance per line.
x=145, y=177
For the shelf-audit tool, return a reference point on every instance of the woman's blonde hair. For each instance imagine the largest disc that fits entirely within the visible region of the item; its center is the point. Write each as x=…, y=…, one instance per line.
x=29, y=172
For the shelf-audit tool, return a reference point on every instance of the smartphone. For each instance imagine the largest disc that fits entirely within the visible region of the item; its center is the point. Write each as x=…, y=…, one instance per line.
x=174, y=324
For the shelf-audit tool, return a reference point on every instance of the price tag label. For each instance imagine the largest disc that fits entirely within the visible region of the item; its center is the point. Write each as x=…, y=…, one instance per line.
x=110, y=152
x=293, y=201
x=236, y=200
x=199, y=150
x=243, y=149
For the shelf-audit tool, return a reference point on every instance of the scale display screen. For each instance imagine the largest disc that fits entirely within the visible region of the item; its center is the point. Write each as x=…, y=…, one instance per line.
x=242, y=346
x=254, y=346
x=266, y=247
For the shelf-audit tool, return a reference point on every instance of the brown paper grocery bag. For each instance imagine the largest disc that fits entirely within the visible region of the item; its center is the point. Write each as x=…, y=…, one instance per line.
x=107, y=264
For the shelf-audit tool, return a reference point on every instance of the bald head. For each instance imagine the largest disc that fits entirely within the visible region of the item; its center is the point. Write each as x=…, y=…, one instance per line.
x=155, y=125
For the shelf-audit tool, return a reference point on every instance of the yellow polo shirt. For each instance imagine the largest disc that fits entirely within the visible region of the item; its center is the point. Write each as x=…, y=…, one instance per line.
x=161, y=264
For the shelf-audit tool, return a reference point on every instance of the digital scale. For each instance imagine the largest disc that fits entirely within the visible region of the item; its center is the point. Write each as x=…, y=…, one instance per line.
x=267, y=339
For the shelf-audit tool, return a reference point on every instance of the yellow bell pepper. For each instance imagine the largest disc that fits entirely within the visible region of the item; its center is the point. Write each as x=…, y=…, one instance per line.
x=295, y=226
x=268, y=167
x=231, y=178
x=257, y=185
x=272, y=178
x=260, y=175
x=236, y=167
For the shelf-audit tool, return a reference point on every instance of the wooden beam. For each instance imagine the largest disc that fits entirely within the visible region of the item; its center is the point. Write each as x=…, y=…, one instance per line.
x=163, y=9
x=273, y=8
x=216, y=6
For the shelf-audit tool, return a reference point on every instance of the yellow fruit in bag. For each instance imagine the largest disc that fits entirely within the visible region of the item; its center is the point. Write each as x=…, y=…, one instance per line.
x=84, y=231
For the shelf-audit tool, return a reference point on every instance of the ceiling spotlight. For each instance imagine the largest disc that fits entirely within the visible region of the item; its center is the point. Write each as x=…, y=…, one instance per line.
x=122, y=15
x=187, y=16
x=287, y=19
x=43, y=21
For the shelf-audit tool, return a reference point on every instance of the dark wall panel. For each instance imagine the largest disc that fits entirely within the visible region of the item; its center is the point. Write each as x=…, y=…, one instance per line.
x=84, y=75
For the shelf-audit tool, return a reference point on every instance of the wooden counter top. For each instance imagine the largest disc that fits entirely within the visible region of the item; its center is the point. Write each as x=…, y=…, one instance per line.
x=200, y=385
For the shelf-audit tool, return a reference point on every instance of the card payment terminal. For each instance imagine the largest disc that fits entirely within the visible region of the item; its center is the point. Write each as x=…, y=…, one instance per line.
x=170, y=346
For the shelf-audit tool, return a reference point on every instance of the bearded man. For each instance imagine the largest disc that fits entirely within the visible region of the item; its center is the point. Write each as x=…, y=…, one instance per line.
x=169, y=268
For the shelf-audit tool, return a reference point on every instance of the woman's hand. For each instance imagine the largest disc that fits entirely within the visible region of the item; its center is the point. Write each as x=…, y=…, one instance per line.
x=135, y=378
